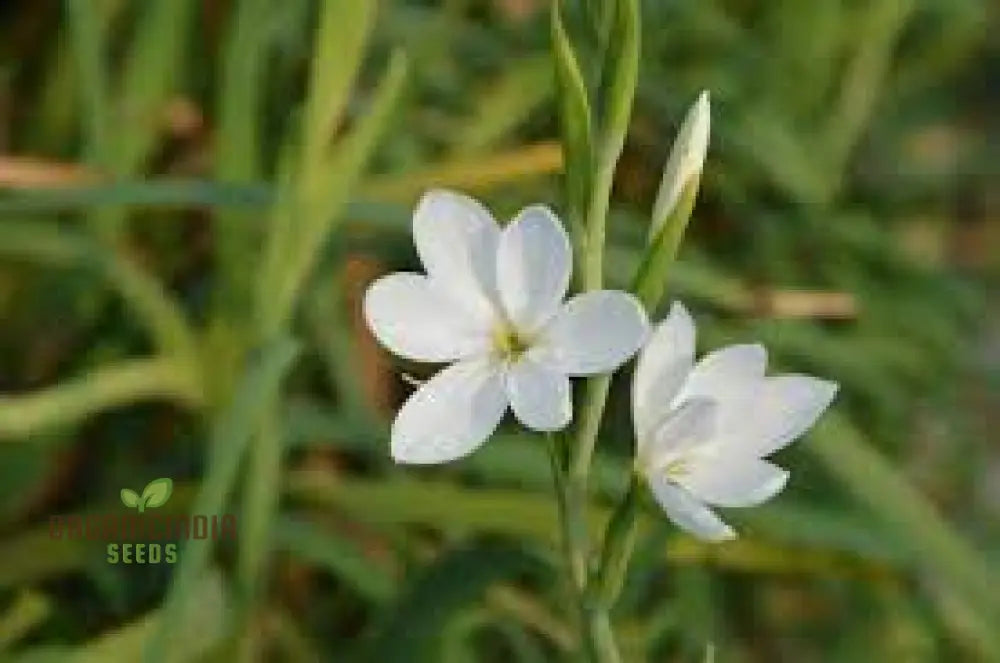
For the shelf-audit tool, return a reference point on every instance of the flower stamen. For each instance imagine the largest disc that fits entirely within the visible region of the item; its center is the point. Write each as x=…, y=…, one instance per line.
x=509, y=344
x=676, y=468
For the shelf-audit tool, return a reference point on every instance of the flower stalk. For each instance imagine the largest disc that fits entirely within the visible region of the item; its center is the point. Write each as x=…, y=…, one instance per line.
x=619, y=540
x=621, y=65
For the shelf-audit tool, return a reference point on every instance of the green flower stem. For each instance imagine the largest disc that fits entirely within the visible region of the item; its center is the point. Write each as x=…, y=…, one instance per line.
x=595, y=625
x=622, y=59
x=619, y=539
x=574, y=530
x=601, y=636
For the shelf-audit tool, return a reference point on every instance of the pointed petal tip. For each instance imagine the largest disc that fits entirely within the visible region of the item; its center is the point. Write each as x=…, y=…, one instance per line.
x=702, y=118
x=677, y=308
x=827, y=390
x=728, y=535
x=703, y=102
x=435, y=192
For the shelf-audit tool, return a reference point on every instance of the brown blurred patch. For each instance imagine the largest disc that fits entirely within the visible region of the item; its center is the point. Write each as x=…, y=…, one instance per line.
x=376, y=379
x=33, y=173
x=801, y=304
x=518, y=10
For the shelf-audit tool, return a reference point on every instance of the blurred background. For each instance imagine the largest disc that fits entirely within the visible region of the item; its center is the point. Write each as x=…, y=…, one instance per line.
x=849, y=218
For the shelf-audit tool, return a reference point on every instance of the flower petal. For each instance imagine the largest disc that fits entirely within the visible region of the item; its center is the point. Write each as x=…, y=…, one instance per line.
x=451, y=415
x=782, y=408
x=539, y=396
x=690, y=425
x=661, y=369
x=595, y=332
x=457, y=238
x=688, y=513
x=533, y=267
x=734, y=481
x=727, y=373
x=410, y=318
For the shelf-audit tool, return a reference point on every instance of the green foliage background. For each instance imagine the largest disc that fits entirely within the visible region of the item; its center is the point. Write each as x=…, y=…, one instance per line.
x=195, y=195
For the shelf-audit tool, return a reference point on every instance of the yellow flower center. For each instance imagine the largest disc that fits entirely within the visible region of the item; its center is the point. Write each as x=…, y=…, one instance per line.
x=676, y=468
x=509, y=344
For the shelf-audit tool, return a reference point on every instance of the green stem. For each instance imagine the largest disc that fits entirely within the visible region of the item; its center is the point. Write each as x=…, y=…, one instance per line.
x=603, y=648
x=571, y=495
x=619, y=540
x=623, y=61
x=263, y=474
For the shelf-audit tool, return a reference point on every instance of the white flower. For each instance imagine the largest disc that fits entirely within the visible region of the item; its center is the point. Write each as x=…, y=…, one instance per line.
x=704, y=429
x=492, y=303
x=685, y=163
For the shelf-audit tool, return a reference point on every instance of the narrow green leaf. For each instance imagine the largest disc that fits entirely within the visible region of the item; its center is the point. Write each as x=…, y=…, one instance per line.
x=506, y=103
x=575, y=121
x=157, y=192
x=932, y=541
x=262, y=481
x=89, y=49
x=231, y=434
x=143, y=293
x=90, y=52
x=456, y=510
x=341, y=557
x=115, y=385
x=341, y=41
x=326, y=189
x=28, y=611
x=622, y=65
x=153, y=63
x=237, y=147
x=445, y=589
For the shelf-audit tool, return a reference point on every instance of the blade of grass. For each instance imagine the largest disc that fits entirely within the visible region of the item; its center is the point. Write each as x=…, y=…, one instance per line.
x=89, y=50
x=237, y=154
x=159, y=192
x=575, y=121
x=335, y=67
x=114, y=385
x=476, y=174
x=930, y=539
x=153, y=64
x=144, y=294
x=520, y=89
x=308, y=542
x=28, y=611
x=457, y=510
x=322, y=198
x=448, y=586
x=231, y=434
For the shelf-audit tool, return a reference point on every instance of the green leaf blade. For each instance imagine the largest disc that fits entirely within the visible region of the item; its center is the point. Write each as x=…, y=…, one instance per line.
x=575, y=120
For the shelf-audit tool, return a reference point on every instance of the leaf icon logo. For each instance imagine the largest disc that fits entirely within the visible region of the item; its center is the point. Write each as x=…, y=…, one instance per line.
x=155, y=494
